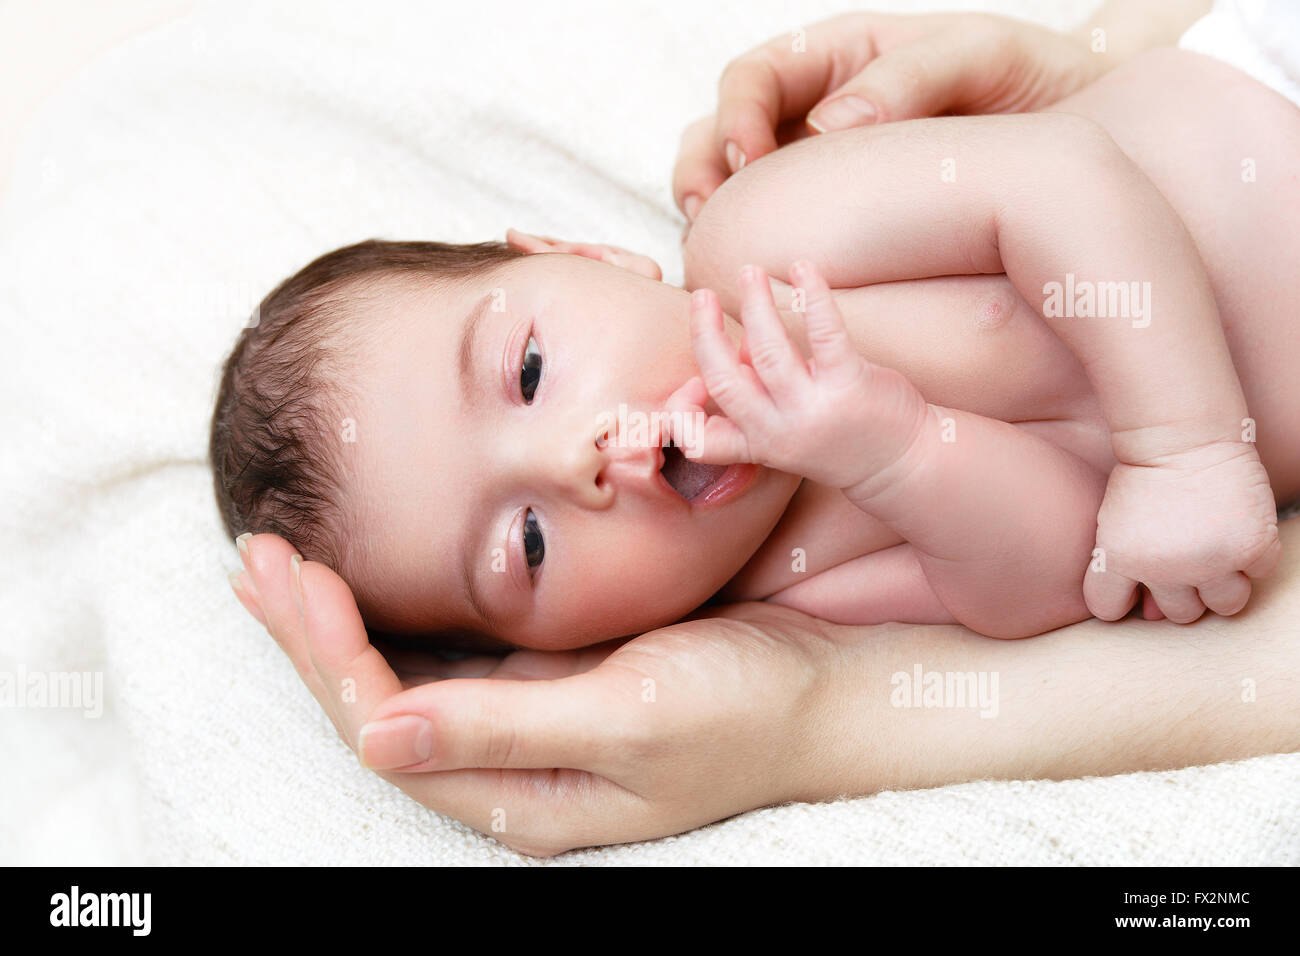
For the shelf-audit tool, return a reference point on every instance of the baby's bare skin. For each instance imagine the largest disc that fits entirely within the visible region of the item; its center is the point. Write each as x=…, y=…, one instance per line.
x=986, y=351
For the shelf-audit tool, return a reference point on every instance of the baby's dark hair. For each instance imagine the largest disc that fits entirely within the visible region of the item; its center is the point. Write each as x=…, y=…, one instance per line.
x=277, y=461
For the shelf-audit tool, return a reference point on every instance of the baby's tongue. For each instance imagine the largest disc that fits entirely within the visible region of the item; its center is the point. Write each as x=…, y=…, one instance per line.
x=689, y=478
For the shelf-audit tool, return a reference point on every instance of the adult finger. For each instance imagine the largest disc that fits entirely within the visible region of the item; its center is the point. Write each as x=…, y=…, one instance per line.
x=784, y=78
x=266, y=559
x=242, y=584
x=761, y=93
x=575, y=722
x=538, y=812
x=355, y=676
x=700, y=169
x=929, y=77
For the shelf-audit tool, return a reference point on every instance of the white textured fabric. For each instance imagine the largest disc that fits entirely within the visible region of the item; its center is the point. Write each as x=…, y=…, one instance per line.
x=1259, y=37
x=170, y=186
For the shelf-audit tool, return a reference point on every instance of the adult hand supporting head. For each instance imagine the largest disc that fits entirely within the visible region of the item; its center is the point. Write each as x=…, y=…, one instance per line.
x=701, y=720
x=607, y=744
x=864, y=68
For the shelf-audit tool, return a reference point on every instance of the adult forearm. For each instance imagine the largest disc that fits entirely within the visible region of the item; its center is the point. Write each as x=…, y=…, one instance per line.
x=1090, y=699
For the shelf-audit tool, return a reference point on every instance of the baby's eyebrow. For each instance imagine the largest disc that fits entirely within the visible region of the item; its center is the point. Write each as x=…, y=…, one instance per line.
x=468, y=338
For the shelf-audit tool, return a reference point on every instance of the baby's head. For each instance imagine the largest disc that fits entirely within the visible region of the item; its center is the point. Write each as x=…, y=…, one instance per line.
x=461, y=433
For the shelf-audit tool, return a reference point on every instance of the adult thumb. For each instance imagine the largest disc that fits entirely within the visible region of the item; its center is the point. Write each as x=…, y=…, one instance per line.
x=925, y=78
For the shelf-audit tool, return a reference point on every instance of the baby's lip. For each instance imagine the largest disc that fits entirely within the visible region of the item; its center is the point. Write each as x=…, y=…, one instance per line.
x=639, y=470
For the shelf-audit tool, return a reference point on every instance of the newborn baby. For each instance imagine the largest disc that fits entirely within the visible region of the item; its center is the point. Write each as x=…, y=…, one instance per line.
x=474, y=436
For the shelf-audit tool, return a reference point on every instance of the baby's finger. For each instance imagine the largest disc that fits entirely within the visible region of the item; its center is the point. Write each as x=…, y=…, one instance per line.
x=1150, y=610
x=686, y=401
x=719, y=442
x=733, y=386
x=354, y=674
x=1226, y=595
x=458, y=724
x=1178, y=602
x=1267, y=562
x=1109, y=595
x=828, y=339
x=774, y=357
x=711, y=439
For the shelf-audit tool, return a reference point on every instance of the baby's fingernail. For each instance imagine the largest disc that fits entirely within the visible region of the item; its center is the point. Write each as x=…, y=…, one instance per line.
x=700, y=299
x=842, y=113
x=396, y=742
x=735, y=157
x=691, y=206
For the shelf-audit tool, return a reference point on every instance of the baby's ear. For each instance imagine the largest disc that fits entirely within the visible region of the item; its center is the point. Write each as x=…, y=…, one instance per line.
x=641, y=265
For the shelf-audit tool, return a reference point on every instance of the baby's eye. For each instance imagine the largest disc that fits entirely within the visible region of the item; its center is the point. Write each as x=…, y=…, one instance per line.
x=530, y=375
x=534, y=546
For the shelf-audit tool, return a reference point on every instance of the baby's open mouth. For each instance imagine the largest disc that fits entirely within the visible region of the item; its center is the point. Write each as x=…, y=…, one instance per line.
x=688, y=478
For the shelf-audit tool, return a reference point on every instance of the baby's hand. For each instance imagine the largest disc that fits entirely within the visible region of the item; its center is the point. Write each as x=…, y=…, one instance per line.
x=838, y=419
x=1194, y=529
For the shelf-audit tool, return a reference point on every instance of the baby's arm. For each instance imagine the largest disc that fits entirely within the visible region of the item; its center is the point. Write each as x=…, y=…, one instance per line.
x=998, y=521
x=1002, y=521
x=1050, y=200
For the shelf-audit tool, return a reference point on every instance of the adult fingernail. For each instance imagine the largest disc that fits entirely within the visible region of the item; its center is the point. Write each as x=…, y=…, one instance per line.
x=735, y=157
x=842, y=113
x=246, y=591
x=396, y=742
x=241, y=543
x=295, y=570
x=691, y=206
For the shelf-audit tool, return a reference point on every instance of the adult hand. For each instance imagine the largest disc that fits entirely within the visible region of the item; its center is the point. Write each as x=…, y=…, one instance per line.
x=764, y=704
x=608, y=744
x=864, y=68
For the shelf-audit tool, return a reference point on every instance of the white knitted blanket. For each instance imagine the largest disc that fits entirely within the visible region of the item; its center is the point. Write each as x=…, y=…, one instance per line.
x=156, y=200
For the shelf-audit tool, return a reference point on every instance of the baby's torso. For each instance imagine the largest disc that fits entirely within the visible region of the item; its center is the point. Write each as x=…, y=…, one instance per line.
x=1222, y=149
